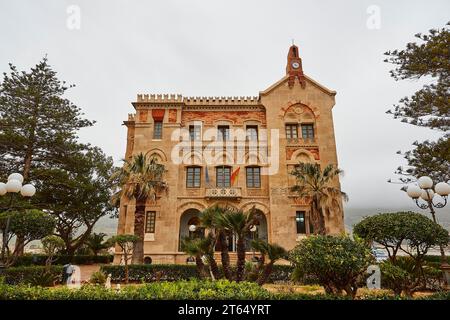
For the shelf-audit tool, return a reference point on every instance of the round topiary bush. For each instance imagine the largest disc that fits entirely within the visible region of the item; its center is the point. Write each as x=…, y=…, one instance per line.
x=337, y=262
x=412, y=234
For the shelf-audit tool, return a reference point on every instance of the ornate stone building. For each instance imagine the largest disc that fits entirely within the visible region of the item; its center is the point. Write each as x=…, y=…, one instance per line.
x=237, y=151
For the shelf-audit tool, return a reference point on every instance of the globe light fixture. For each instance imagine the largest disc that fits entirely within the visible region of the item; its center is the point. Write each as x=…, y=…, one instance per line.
x=28, y=190
x=425, y=182
x=13, y=186
x=442, y=189
x=192, y=228
x=3, y=189
x=253, y=228
x=427, y=195
x=16, y=176
x=414, y=191
x=425, y=191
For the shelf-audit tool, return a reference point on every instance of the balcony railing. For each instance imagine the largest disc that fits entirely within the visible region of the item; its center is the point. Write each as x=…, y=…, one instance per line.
x=229, y=193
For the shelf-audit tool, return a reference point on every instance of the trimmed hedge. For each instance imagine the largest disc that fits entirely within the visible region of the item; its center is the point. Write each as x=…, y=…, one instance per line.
x=151, y=272
x=181, y=290
x=39, y=259
x=29, y=275
x=435, y=259
x=175, y=272
x=195, y=290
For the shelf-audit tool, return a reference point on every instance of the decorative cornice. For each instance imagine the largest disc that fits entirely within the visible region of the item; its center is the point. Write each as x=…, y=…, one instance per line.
x=177, y=100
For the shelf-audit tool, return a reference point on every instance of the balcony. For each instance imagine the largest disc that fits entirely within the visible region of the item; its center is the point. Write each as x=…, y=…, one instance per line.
x=223, y=193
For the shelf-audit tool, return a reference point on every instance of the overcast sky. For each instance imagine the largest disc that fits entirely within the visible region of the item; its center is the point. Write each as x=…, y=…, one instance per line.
x=233, y=48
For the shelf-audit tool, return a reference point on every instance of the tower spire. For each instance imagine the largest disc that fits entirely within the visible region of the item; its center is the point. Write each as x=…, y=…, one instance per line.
x=294, y=67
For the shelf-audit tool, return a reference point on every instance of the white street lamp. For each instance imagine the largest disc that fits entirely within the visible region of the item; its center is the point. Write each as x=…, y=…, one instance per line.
x=3, y=189
x=192, y=228
x=427, y=194
x=28, y=190
x=425, y=191
x=442, y=189
x=16, y=176
x=414, y=191
x=425, y=182
x=13, y=186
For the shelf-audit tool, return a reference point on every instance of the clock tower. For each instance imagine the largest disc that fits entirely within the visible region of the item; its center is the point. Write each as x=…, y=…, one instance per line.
x=294, y=67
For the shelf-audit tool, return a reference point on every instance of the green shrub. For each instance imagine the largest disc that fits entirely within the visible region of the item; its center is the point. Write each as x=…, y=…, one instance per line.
x=151, y=272
x=175, y=272
x=337, y=262
x=39, y=259
x=410, y=231
x=33, y=275
x=435, y=260
x=181, y=290
x=98, y=277
x=405, y=276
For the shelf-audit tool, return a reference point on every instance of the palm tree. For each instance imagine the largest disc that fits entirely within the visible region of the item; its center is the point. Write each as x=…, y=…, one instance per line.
x=274, y=252
x=239, y=223
x=208, y=219
x=195, y=248
x=96, y=242
x=140, y=178
x=317, y=186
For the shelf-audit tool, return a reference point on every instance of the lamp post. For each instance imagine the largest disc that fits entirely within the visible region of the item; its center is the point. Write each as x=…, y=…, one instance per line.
x=192, y=228
x=253, y=231
x=13, y=186
x=424, y=190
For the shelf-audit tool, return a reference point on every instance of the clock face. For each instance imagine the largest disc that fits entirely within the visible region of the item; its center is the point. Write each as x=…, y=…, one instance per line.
x=295, y=65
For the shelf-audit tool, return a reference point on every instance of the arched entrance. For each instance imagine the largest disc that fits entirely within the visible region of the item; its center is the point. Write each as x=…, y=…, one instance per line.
x=259, y=230
x=189, y=218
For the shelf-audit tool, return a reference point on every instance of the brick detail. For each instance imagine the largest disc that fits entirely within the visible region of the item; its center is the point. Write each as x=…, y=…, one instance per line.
x=236, y=117
x=172, y=115
x=143, y=115
x=314, y=151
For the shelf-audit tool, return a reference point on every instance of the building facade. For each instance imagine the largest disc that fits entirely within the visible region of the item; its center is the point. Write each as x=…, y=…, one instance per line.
x=233, y=151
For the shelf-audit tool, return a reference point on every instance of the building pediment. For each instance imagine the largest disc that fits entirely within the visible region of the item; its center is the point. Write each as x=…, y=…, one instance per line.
x=308, y=80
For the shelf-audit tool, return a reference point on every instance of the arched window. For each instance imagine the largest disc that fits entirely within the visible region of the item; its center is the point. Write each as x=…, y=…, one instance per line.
x=198, y=232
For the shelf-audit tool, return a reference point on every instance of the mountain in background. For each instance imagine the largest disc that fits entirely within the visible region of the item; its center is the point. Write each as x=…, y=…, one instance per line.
x=353, y=215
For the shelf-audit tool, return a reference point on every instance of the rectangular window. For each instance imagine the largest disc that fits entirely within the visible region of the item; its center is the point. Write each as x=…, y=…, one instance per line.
x=150, y=222
x=223, y=175
x=307, y=131
x=223, y=133
x=291, y=131
x=253, y=177
x=193, y=177
x=194, y=132
x=300, y=221
x=157, y=130
x=252, y=133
